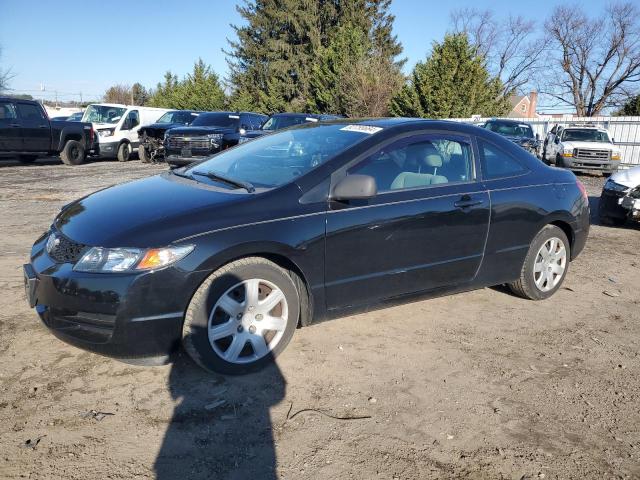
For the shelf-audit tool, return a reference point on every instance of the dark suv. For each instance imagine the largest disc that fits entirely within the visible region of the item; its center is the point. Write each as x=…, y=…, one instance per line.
x=518, y=132
x=279, y=121
x=152, y=136
x=208, y=134
x=27, y=132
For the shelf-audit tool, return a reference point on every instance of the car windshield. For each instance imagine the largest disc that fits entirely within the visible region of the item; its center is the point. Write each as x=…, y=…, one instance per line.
x=216, y=120
x=103, y=114
x=278, y=122
x=276, y=159
x=510, y=129
x=184, y=118
x=584, y=135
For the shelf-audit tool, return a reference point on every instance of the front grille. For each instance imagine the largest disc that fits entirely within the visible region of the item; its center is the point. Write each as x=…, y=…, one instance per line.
x=188, y=142
x=588, y=154
x=63, y=250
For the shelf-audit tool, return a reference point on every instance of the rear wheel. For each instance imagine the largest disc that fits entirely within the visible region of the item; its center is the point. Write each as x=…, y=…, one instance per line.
x=124, y=152
x=73, y=153
x=545, y=265
x=241, y=317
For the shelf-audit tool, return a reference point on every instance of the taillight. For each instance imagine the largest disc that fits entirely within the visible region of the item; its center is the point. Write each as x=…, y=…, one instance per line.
x=92, y=135
x=582, y=189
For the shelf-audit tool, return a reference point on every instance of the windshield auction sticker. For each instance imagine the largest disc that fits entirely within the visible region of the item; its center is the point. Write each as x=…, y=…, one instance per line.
x=362, y=129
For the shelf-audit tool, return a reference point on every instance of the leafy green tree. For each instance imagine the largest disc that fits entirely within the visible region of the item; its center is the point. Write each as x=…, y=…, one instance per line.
x=199, y=90
x=631, y=108
x=452, y=82
x=273, y=57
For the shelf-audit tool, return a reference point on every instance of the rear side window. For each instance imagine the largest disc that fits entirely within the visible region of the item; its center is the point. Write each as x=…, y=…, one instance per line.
x=30, y=112
x=8, y=111
x=497, y=163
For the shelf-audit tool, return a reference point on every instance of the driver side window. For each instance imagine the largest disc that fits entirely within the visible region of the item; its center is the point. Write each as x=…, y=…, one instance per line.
x=422, y=162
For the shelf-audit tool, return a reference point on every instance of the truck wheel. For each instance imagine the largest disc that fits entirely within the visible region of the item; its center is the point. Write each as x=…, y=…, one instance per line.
x=544, y=157
x=242, y=316
x=560, y=162
x=73, y=153
x=27, y=158
x=124, y=152
x=143, y=153
x=545, y=266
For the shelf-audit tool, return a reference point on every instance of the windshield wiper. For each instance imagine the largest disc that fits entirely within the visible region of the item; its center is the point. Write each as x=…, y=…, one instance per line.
x=230, y=181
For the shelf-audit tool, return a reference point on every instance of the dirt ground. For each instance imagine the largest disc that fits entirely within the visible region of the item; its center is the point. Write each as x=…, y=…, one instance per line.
x=477, y=385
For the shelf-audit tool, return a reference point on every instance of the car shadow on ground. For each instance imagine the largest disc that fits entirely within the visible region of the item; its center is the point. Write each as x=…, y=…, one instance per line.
x=221, y=426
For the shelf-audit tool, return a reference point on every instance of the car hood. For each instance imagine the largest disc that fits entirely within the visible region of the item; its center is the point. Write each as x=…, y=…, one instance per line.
x=162, y=126
x=200, y=130
x=629, y=178
x=590, y=145
x=151, y=212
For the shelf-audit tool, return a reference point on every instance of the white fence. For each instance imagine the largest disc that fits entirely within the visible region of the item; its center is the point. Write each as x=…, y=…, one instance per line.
x=625, y=131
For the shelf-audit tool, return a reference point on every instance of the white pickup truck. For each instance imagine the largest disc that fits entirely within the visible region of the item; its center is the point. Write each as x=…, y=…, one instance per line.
x=581, y=147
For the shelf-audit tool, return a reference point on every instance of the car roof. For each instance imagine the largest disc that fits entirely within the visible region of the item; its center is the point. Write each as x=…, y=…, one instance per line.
x=508, y=120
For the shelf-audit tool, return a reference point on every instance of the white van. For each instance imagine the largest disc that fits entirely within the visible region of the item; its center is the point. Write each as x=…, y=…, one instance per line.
x=117, y=127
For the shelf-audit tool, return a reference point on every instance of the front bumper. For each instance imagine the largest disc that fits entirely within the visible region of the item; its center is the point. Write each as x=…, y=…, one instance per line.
x=180, y=157
x=610, y=205
x=132, y=315
x=107, y=149
x=579, y=164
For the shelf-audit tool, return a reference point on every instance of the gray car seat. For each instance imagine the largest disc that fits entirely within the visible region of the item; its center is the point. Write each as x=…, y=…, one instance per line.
x=428, y=162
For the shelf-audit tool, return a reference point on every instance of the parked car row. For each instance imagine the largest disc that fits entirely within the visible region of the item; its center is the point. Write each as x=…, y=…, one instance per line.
x=578, y=147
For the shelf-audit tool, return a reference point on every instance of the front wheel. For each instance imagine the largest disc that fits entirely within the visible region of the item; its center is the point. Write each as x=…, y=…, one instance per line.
x=143, y=153
x=545, y=265
x=241, y=317
x=124, y=152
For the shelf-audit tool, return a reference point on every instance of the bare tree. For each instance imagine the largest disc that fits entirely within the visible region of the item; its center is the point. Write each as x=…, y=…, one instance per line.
x=119, y=94
x=5, y=76
x=594, y=63
x=511, y=47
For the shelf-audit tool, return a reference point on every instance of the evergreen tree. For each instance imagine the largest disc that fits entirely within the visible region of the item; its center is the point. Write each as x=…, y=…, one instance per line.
x=199, y=90
x=453, y=82
x=140, y=94
x=352, y=77
x=631, y=108
x=273, y=57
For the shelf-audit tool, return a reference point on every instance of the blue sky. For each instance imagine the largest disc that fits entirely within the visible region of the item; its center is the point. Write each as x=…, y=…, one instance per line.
x=86, y=46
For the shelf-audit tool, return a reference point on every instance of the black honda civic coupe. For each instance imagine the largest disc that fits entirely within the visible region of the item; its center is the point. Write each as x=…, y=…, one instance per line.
x=230, y=255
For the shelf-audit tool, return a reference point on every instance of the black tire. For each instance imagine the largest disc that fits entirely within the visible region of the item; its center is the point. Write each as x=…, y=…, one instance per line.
x=560, y=162
x=26, y=159
x=195, y=331
x=73, y=153
x=143, y=154
x=124, y=152
x=525, y=286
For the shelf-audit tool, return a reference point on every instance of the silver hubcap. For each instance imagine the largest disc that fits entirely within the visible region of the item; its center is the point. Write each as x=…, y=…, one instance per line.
x=248, y=321
x=550, y=264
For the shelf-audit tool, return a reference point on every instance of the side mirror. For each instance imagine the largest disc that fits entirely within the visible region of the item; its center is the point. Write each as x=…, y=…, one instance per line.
x=538, y=136
x=355, y=187
x=556, y=140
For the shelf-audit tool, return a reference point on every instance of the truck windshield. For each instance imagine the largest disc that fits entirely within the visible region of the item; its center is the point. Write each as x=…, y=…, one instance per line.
x=216, y=120
x=585, y=135
x=281, y=157
x=103, y=114
x=185, y=118
x=510, y=129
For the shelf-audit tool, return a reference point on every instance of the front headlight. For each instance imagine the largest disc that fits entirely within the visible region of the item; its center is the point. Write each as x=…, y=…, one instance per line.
x=567, y=152
x=103, y=260
x=107, y=132
x=615, y=156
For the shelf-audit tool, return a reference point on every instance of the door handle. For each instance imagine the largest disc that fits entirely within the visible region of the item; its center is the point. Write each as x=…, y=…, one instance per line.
x=467, y=202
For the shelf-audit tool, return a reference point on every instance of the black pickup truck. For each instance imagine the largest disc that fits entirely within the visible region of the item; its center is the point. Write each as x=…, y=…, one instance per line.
x=27, y=132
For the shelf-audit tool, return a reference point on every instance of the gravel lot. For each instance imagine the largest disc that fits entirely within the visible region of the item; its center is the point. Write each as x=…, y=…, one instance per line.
x=476, y=385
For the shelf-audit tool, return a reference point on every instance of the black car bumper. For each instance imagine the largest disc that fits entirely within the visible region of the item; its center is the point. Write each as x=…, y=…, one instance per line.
x=188, y=155
x=609, y=205
x=131, y=315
